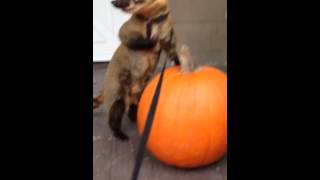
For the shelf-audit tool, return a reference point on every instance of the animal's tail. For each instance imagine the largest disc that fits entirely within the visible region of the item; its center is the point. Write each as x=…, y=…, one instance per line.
x=98, y=100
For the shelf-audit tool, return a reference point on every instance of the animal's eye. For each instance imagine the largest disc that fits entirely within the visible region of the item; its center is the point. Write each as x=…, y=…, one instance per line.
x=138, y=1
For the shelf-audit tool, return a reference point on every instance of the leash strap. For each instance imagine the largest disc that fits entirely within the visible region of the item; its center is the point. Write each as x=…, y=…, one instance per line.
x=147, y=128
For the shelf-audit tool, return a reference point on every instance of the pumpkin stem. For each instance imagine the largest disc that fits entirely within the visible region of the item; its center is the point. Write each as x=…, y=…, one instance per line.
x=185, y=60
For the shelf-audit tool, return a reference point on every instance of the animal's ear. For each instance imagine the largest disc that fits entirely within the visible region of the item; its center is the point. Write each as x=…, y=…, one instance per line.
x=139, y=1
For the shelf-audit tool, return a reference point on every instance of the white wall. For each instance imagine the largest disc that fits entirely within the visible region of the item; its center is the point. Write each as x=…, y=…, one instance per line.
x=106, y=23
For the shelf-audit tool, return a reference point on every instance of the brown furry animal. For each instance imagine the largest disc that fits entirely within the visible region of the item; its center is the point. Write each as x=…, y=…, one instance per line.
x=143, y=37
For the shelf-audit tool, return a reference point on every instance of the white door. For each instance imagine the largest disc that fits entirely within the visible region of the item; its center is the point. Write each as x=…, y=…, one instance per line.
x=106, y=23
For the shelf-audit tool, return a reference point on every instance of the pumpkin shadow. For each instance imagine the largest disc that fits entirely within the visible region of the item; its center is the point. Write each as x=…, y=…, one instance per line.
x=206, y=167
x=217, y=164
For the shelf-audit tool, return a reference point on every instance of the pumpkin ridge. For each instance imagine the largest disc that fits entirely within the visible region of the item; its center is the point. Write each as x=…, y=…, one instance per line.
x=164, y=103
x=198, y=77
x=159, y=116
x=179, y=79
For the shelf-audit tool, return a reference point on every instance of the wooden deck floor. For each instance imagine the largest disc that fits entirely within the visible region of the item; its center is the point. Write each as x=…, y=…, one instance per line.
x=113, y=160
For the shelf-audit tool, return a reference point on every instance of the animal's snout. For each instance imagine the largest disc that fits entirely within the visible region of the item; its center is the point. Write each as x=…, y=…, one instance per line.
x=121, y=3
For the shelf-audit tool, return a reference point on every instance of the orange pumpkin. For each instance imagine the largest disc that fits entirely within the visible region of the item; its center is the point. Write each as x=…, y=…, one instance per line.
x=190, y=124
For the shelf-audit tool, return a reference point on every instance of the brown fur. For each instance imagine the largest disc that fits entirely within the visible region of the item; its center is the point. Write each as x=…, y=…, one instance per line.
x=130, y=69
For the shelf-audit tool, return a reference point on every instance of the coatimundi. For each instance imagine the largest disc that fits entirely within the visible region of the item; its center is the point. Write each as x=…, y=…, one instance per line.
x=143, y=37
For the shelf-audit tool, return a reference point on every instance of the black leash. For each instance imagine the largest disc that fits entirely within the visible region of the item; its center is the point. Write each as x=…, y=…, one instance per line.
x=147, y=128
x=150, y=22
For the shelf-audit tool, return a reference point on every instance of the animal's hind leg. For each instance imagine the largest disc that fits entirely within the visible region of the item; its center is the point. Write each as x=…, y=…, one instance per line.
x=134, y=100
x=133, y=112
x=119, y=104
x=115, y=119
x=133, y=108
